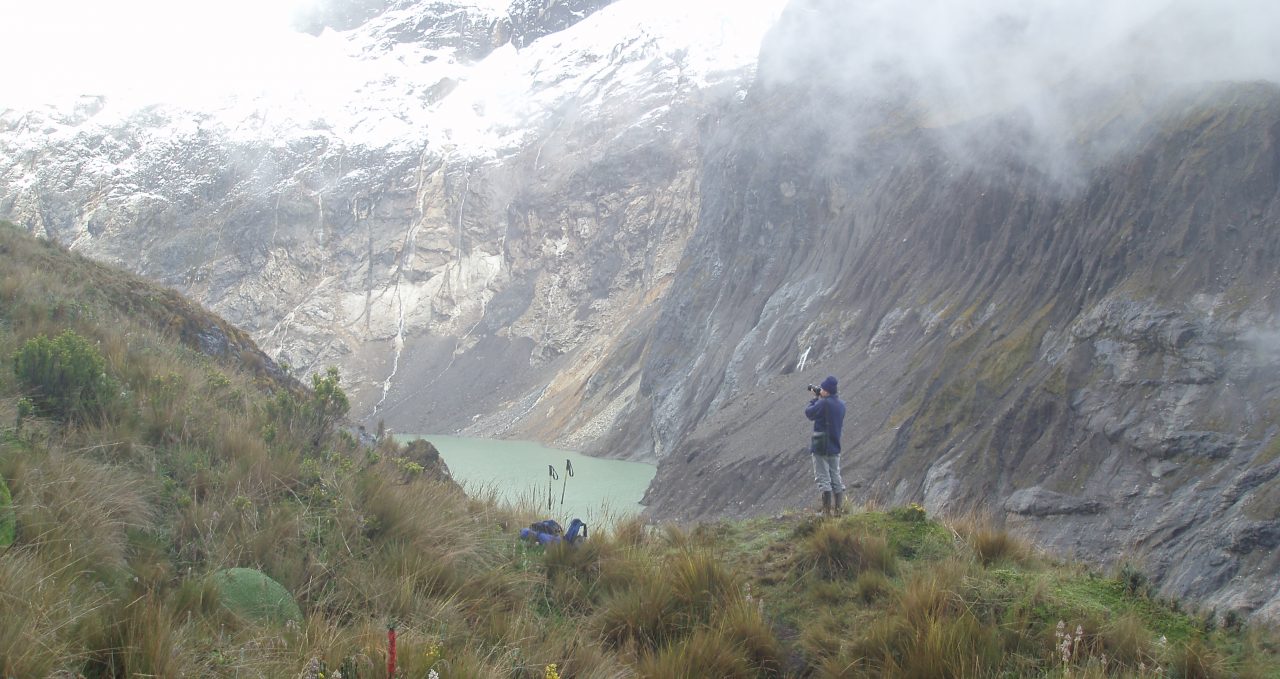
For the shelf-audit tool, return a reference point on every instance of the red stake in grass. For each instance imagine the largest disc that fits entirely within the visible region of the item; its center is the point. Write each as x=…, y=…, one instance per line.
x=391, y=650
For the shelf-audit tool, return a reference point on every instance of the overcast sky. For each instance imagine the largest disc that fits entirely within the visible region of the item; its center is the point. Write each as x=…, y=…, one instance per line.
x=189, y=51
x=170, y=49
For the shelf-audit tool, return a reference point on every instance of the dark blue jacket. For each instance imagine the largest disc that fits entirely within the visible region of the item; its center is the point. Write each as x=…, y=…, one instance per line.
x=827, y=415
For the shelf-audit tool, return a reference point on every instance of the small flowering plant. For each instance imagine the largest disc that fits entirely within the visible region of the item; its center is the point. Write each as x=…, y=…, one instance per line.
x=912, y=513
x=1067, y=644
x=431, y=659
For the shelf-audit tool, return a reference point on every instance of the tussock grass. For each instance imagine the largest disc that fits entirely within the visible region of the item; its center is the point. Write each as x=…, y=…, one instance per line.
x=44, y=609
x=701, y=583
x=145, y=641
x=991, y=544
x=213, y=462
x=1196, y=659
x=872, y=586
x=705, y=653
x=73, y=510
x=630, y=531
x=643, y=615
x=743, y=621
x=837, y=550
x=1126, y=641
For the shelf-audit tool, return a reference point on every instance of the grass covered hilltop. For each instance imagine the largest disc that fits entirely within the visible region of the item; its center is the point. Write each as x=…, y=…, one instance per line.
x=173, y=504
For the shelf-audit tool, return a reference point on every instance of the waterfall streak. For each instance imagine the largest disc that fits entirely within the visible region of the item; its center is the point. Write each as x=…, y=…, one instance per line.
x=405, y=260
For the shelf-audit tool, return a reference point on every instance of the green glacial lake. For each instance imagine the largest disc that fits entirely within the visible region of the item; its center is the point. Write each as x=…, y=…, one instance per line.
x=516, y=472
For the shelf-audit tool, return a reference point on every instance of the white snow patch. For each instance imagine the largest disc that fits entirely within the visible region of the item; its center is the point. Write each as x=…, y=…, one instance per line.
x=604, y=63
x=627, y=60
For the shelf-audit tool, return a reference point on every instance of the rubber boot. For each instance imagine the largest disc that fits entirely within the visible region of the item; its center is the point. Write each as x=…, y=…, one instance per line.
x=826, y=503
x=835, y=505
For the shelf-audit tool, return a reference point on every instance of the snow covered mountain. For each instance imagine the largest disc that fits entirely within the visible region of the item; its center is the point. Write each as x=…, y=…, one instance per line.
x=462, y=169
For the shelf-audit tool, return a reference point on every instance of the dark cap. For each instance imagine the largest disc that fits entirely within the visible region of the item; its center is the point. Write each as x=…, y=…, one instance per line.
x=829, y=384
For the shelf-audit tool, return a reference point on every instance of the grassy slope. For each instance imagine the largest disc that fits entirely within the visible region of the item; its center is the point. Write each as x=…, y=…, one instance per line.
x=208, y=463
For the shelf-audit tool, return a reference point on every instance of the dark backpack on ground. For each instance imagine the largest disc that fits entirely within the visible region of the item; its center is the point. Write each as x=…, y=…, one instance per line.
x=548, y=531
x=548, y=526
x=574, y=526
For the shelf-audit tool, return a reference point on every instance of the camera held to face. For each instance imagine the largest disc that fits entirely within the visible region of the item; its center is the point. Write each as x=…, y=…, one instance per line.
x=817, y=391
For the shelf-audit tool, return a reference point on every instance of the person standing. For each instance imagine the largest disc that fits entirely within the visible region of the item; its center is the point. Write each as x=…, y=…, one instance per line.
x=827, y=412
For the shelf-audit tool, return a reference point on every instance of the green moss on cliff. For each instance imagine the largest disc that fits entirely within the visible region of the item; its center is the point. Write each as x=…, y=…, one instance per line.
x=975, y=370
x=1264, y=502
x=1270, y=453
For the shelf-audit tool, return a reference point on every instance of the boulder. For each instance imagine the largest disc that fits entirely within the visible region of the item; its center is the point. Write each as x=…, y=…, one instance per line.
x=1037, y=501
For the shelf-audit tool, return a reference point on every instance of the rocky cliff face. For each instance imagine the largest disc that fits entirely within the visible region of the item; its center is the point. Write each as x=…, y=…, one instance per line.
x=630, y=252
x=468, y=238
x=1094, y=365
x=1084, y=351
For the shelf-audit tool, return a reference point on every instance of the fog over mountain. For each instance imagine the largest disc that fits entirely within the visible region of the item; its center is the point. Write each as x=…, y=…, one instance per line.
x=939, y=64
x=1036, y=242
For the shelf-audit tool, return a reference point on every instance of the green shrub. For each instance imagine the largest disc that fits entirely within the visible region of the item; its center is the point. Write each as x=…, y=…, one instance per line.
x=251, y=594
x=1135, y=581
x=912, y=513
x=313, y=417
x=67, y=376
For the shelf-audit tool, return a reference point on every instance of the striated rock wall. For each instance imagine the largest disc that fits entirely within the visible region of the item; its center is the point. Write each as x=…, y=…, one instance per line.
x=1084, y=351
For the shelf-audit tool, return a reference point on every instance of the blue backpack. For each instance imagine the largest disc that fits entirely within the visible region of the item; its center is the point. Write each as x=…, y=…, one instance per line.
x=572, y=536
x=548, y=531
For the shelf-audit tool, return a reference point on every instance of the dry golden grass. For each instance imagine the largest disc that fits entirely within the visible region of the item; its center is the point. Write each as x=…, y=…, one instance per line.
x=643, y=615
x=149, y=642
x=932, y=594
x=43, y=611
x=872, y=586
x=212, y=465
x=73, y=510
x=700, y=579
x=837, y=550
x=744, y=623
x=705, y=653
x=949, y=647
x=1127, y=642
x=630, y=531
x=991, y=544
x=1196, y=659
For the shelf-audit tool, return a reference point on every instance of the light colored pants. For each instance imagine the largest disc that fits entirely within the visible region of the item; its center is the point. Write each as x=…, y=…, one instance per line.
x=826, y=471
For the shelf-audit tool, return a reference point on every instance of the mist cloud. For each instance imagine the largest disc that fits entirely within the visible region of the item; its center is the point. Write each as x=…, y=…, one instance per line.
x=1264, y=341
x=949, y=62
